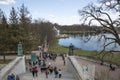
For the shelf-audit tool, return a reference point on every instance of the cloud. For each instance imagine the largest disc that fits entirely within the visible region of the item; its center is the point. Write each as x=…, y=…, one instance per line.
x=51, y=15
x=7, y=2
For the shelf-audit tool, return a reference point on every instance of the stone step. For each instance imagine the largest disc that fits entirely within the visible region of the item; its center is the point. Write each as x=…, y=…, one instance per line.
x=41, y=76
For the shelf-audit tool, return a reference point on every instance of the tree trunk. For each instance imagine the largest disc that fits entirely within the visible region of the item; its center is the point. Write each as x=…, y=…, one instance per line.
x=4, y=54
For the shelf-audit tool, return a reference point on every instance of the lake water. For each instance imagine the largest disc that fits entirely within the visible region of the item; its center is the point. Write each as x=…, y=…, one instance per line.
x=79, y=41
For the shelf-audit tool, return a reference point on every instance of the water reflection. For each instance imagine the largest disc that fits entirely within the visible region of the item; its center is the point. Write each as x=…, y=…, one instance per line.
x=87, y=41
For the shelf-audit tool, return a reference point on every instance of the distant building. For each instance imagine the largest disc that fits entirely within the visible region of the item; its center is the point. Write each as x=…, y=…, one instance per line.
x=56, y=31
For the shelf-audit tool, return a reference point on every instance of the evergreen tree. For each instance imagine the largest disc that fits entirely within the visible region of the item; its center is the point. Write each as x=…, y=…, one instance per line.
x=4, y=37
x=4, y=34
x=14, y=32
x=24, y=21
x=13, y=17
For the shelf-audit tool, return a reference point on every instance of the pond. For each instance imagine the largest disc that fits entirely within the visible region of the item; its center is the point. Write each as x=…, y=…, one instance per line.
x=79, y=41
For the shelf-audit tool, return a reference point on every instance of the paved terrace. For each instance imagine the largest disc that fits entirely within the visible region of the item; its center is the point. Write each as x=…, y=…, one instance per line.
x=41, y=76
x=102, y=72
x=114, y=75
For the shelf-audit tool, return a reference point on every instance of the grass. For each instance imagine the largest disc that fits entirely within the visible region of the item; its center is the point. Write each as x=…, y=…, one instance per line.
x=76, y=32
x=56, y=48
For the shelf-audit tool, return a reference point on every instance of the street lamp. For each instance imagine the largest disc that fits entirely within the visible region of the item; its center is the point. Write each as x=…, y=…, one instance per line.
x=71, y=48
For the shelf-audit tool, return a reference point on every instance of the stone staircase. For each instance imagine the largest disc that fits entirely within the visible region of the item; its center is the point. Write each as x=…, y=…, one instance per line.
x=66, y=75
x=41, y=76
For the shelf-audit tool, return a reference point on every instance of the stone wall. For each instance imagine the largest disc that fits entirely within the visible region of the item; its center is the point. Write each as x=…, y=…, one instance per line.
x=72, y=67
x=17, y=66
x=80, y=71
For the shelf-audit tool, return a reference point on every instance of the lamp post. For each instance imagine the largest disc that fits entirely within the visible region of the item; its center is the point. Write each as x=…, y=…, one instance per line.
x=71, y=48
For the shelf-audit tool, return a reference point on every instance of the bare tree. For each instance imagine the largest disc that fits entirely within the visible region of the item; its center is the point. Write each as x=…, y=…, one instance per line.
x=101, y=14
x=44, y=31
x=111, y=4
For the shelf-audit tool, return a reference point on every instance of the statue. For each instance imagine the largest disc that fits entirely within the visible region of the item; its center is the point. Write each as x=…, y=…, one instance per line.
x=20, y=50
x=71, y=48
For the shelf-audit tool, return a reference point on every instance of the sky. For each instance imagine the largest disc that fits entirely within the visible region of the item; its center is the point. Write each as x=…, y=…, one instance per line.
x=63, y=12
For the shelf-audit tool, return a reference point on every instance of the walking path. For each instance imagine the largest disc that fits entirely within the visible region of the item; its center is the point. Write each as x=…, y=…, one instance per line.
x=102, y=72
x=41, y=76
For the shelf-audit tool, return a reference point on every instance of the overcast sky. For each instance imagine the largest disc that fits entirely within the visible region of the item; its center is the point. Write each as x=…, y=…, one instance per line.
x=63, y=12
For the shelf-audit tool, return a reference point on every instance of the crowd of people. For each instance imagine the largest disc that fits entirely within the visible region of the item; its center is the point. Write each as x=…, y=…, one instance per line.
x=44, y=66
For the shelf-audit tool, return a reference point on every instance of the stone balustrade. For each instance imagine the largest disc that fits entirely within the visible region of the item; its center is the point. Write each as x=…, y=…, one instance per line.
x=80, y=72
x=72, y=67
x=17, y=66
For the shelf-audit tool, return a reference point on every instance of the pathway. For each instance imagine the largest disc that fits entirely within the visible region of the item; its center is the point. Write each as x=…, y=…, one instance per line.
x=41, y=76
x=101, y=71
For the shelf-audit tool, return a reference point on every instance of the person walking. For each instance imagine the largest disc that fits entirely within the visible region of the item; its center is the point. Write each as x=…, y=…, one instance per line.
x=64, y=62
x=51, y=70
x=59, y=73
x=32, y=70
x=55, y=68
x=46, y=73
x=9, y=77
x=17, y=77
x=36, y=71
x=13, y=76
x=56, y=73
